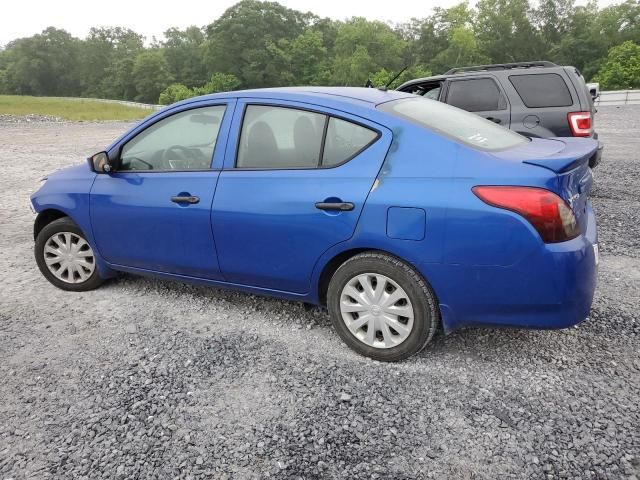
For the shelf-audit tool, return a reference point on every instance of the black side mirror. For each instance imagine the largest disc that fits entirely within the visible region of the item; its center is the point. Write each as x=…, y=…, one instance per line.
x=100, y=163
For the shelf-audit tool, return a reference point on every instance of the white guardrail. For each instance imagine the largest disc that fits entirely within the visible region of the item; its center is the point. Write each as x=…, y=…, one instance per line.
x=618, y=97
x=121, y=102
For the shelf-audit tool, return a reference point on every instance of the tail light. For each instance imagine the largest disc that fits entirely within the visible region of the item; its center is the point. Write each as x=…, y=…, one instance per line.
x=549, y=214
x=581, y=124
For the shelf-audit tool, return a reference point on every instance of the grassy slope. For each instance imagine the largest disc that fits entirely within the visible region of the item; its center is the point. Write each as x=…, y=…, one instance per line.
x=70, y=109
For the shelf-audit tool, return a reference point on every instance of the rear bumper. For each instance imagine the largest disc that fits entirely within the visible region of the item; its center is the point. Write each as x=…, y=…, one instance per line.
x=549, y=289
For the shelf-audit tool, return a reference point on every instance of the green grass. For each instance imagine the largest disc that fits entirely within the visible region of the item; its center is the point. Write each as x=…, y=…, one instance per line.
x=69, y=108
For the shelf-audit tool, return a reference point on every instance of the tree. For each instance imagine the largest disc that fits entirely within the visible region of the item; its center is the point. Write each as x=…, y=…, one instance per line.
x=553, y=20
x=184, y=52
x=261, y=43
x=237, y=41
x=44, y=64
x=174, y=93
x=150, y=75
x=106, y=62
x=219, y=82
x=462, y=50
x=621, y=69
x=583, y=46
x=385, y=78
x=363, y=48
x=505, y=32
x=301, y=61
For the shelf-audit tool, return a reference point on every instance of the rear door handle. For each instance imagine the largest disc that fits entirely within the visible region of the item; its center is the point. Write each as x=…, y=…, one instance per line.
x=494, y=119
x=185, y=199
x=341, y=206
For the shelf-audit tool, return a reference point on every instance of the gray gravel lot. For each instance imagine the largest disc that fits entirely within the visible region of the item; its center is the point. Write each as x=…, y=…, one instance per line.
x=151, y=379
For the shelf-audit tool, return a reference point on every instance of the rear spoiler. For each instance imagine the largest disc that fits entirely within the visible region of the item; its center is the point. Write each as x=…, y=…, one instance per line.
x=577, y=151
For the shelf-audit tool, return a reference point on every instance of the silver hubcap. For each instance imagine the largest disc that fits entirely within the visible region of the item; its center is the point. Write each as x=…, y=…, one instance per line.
x=376, y=310
x=69, y=257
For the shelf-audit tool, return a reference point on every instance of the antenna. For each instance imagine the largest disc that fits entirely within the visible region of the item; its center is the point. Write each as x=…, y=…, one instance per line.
x=393, y=79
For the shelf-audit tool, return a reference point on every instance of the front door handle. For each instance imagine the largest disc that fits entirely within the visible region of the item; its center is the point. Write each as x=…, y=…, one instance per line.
x=185, y=199
x=340, y=206
x=494, y=119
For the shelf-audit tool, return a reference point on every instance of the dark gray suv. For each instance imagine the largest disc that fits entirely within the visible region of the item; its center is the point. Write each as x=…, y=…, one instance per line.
x=536, y=99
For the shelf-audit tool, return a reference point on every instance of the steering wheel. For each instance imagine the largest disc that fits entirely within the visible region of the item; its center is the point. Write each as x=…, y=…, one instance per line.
x=136, y=159
x=178, y=160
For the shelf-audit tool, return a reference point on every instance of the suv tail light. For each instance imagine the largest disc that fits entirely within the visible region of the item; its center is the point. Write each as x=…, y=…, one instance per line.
x=581, y=123
x=547, y=212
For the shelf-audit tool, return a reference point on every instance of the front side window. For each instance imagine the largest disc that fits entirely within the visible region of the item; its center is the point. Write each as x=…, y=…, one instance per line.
x=277, y=137
x=184, y=141
x=458, y=124
x=476, y=95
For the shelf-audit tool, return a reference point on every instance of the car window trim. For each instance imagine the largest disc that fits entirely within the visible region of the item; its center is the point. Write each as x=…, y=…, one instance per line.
x=479, y=77
x=324, y=137
x=194, y=107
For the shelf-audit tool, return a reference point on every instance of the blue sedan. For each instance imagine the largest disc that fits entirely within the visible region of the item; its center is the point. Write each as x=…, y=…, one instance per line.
x=398, y=213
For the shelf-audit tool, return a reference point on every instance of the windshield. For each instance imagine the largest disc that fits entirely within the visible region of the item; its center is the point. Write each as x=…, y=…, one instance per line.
x=453, y=122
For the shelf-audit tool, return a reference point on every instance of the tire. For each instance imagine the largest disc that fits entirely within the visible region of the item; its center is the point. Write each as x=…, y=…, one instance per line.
x=57, y=235
x=398, y=280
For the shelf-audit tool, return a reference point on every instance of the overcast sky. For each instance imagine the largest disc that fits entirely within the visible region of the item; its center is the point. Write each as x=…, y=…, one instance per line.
x=21, y=18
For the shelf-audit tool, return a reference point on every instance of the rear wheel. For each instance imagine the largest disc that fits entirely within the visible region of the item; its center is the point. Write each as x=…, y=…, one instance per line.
x=65, y=257
x=381, y=307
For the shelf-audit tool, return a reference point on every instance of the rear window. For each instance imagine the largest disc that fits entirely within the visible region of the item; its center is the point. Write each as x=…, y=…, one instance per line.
x=542, y=90
x=453, y=122
x=476, y=95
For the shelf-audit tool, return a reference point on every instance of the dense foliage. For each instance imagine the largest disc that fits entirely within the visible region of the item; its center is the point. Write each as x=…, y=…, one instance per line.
x=261, y=44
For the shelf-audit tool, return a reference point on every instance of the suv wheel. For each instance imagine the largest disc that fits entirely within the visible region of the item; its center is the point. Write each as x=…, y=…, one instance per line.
x=65, y=257
x=381, y=307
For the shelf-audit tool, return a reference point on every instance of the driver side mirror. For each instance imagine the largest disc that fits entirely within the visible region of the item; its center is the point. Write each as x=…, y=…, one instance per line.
x=100, y=163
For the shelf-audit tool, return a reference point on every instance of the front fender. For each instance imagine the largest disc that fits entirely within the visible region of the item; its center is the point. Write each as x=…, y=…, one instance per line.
x=67, y=191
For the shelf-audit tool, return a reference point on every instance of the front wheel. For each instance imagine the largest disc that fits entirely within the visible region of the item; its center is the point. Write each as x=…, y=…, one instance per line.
x=381, y=307
x=65, y=257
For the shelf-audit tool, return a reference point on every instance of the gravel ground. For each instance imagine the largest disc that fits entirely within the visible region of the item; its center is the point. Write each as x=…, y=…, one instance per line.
x=151, y=379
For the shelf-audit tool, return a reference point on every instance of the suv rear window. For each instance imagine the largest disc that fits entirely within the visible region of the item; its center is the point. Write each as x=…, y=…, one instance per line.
x=453, y=122
x=542, y=90
x=476, y=95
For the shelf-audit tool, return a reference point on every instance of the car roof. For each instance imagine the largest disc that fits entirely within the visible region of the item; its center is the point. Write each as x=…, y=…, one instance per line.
x=343, y=96
x=484, y=73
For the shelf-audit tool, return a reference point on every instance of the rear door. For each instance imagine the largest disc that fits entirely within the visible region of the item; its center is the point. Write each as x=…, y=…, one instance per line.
x=480, y=95
x=294, y=183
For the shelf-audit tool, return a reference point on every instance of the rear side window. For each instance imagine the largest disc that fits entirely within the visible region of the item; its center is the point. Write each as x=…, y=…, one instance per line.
x=282, y=137
x=345, y=140
x=542, y=90
x=276, y=137
x=476, y=95
x=452, y=122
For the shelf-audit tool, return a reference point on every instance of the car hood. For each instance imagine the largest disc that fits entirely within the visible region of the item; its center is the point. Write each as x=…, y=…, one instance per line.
x=75, y=172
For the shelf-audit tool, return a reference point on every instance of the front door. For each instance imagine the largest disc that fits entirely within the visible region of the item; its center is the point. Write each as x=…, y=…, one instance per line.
x=293, y=187
x=154, y=211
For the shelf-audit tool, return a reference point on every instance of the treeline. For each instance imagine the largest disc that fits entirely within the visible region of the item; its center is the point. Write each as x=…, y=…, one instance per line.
x=261, y=44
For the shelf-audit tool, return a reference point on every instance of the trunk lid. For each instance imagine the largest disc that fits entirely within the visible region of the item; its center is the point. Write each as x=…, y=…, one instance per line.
x=568, y=158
